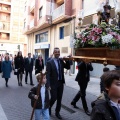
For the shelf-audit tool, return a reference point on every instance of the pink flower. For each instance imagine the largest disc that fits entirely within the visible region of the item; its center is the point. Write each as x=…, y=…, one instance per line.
x=97, y=30
x=92, y=33
x=113, y=33
x=95, y=38
x=84, y=39
x=89, y=37
x=117, y=37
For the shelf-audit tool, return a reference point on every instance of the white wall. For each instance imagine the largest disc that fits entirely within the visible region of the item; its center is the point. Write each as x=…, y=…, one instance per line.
x=98, y=69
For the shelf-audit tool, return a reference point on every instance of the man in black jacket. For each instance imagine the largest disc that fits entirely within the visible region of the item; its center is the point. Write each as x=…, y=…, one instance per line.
x=82, y=78
x=29, y=68
x=56, y=80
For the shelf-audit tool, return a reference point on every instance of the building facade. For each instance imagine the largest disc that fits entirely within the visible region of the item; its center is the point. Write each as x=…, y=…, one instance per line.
x=52, y=23
x=11, y=26
x=49, y=24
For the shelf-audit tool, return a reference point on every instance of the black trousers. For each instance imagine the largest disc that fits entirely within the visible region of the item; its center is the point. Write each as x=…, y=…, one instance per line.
x=19, y=77
x=56, y=94
x=82, y=93
x=26, y=76
x=6, y=79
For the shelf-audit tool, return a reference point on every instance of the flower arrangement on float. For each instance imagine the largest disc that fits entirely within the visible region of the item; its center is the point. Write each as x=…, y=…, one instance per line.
x=102, y=35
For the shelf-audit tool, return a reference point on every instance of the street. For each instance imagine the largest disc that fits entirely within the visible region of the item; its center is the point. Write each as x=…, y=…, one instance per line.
x=15, y=104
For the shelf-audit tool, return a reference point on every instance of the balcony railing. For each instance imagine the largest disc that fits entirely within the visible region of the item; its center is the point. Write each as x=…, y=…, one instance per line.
x=4, y=19
x=8, y=2
x=58, y=12
x=31, y=24
x=32, y=5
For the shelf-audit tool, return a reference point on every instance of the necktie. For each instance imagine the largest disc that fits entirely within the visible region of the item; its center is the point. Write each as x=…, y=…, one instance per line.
x=29, y=60
x=59, y=70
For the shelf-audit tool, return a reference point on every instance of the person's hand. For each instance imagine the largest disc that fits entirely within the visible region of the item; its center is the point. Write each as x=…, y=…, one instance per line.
x=36, y=97
x=87, y=61
x=49, y=88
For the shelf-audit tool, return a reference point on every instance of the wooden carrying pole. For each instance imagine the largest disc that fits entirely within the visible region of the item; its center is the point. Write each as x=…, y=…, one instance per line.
x=38, y=92
x=104, y=61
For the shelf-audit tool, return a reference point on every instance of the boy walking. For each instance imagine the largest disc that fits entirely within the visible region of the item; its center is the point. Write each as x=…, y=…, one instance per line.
x=42, y=106
x=108, y=107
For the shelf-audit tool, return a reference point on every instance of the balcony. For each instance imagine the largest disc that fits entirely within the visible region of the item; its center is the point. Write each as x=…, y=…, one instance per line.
x=61, y=13
x=4, y=19
x=59, y=1
x=41, y=24
x=6, y=2
x=32, y=6
x=31, y=24
x=4, y=27
x=5, y=9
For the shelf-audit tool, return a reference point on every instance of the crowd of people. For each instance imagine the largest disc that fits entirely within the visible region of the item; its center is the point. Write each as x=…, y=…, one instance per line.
x=20, y=65
x=105, y=107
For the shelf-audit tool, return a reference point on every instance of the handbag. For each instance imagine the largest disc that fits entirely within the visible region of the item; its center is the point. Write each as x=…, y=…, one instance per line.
x=15, y=71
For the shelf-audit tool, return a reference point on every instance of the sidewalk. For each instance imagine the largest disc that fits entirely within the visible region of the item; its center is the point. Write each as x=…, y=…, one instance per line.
x=93, y=85
x=16, y=104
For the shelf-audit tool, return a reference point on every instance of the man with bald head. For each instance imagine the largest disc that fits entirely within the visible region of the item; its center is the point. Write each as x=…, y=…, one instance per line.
x=56, y=80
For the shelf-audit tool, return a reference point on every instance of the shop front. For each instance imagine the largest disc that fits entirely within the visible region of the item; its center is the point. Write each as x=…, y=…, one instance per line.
x=42, y=49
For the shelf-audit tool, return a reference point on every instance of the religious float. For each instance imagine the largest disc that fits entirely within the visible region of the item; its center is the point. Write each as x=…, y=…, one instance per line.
x=99, y=43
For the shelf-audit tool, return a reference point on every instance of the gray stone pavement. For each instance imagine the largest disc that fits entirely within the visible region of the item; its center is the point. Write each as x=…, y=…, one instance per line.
x=15, y=103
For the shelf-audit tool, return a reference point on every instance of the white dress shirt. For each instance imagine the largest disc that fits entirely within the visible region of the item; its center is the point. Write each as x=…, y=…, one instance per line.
x=42, y=91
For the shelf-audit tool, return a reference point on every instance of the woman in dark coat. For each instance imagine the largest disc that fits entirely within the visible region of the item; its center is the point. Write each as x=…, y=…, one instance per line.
x=39, y=65
x=6, y=69
x=19, y=67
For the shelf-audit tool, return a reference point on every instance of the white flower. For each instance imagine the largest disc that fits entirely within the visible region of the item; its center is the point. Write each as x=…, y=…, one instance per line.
x=107, y=38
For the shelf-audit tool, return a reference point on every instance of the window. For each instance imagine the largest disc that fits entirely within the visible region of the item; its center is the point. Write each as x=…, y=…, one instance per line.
x=43, y=37
x=37, y=39
x=61, y=32
x=40, y=12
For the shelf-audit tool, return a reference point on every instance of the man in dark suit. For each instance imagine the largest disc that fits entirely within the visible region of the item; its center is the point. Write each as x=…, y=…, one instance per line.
x=56, y=80
x=83, y=77
x=29, y=68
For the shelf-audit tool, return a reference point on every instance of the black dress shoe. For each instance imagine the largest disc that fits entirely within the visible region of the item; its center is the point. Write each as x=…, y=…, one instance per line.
x=58, y=116
x=74, y=105
x=87, y=112
x=50, y=111
x=6, y=85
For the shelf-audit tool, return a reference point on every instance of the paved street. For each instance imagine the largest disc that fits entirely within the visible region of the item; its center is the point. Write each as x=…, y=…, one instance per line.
x=15, y=104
